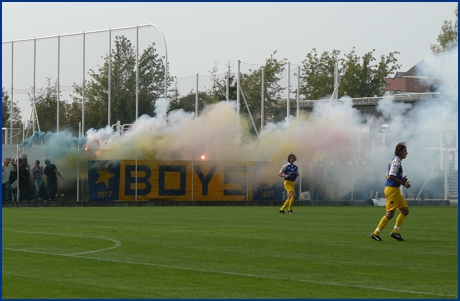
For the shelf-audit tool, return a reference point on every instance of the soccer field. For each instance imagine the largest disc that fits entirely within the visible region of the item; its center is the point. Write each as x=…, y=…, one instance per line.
x=229, y=252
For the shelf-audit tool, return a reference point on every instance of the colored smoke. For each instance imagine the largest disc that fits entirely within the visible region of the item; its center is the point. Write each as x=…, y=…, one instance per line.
x=322, y=140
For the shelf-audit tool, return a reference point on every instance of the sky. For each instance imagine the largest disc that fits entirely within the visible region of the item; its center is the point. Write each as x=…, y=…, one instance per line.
x=199, y=34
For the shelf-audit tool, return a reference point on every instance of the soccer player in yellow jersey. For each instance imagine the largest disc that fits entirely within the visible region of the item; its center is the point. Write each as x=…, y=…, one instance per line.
x=289, y=172
x=393, y=195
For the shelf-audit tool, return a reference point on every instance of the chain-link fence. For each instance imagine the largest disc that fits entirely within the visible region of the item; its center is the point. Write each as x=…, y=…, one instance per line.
x=66, y=60
x=253, y=94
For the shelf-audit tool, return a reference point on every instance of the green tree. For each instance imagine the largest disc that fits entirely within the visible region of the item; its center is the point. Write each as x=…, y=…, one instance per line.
x=317, y=76
x=215, y=94
x=448, y=37
x=46, y=106
x=74, y=112
x=6, y=116
x=358, y=76
x=123, y=86
x=151, y=80
x=363, y=78
x=218, y=91
x=188, y=102
x=251, y=86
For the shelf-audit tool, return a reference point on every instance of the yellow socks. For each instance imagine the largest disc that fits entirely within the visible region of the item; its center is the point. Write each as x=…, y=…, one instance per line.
x=383, y=222
x=399, y=222
x=291, y=202
x=286, y=203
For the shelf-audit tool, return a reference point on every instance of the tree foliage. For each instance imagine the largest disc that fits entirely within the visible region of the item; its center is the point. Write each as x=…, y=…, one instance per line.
x=251, y=88
x=6, y=111
x=151, y=85
x=218, y=90
x=215, y=94
x=361, y=77
x=358, y=76
x=46, y=106
x=448, y=37
x=187, y=102
x=7, y=117
x=317, y=79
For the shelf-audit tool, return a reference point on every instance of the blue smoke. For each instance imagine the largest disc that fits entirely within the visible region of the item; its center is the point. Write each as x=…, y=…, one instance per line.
x=42, y=138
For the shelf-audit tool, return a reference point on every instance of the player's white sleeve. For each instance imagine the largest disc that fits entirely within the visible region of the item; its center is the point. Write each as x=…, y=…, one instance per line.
x=283, y=168
x=394, y=167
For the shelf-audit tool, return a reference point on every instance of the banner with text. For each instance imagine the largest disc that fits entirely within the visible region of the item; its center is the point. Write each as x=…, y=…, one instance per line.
x=179, y=181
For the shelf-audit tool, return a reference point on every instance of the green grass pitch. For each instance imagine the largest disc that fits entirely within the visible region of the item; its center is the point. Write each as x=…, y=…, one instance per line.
x=230, y=252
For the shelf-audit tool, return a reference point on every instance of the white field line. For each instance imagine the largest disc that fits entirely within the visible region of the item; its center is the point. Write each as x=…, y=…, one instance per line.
x=116, y=245
x=79, y=255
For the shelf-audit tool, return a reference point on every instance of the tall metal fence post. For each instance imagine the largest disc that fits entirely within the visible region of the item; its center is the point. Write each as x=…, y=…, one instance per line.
x=247, y=181
x=136, y=163
x=238, y=83
x=11, y=102
x=166, y=64
x=78, y=164
x=196, y=96
x=34, y=80
x=109, y=84
x=137, y=75
x=288, y=100
x=193, y=182
x=262, y=101
x=83, y=89
x=57, y=82
x=227, y=88
x=298, y=94
x=336, y=81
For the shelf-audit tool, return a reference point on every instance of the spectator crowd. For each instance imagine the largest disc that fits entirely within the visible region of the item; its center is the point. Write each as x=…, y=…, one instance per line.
x=23, y=183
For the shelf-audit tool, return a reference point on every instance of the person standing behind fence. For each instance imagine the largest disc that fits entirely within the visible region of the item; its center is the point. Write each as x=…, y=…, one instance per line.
x=6, y=172
x=14, y=179
x=37, y=173
x=24, y=181
x=393, y=195
x=24, y=157
x=289, y=172
x=50, y=172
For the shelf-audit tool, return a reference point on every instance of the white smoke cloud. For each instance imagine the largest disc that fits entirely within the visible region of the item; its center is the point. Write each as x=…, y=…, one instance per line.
x=324, y=141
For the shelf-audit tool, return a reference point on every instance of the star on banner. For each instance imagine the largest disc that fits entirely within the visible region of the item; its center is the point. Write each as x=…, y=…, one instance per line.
x=104, y=176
